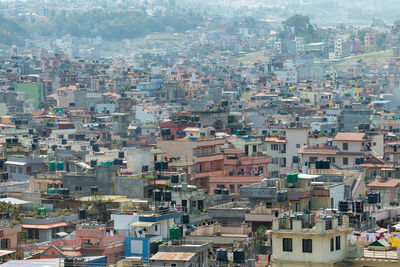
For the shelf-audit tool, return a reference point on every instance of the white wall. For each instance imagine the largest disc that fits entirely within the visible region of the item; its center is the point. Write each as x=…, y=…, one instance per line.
x=136, y=158
x=337, y=193
x=295, y=136
x=123, y=221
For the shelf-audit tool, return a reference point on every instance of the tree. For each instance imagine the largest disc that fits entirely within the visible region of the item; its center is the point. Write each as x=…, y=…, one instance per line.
x=298, y=25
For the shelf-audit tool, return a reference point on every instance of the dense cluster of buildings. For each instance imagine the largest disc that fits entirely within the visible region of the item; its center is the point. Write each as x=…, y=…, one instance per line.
x=186, y=156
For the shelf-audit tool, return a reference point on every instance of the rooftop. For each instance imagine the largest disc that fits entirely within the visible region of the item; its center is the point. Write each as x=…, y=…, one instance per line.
x=173, y=256
x=350, y=137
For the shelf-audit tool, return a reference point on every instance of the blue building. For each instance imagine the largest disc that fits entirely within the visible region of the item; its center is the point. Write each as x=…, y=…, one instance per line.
x=155, y=84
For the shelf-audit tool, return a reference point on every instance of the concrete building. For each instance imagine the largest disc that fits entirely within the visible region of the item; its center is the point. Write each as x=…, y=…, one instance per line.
x=345, y=152
x=19, y=168
x=322, y=243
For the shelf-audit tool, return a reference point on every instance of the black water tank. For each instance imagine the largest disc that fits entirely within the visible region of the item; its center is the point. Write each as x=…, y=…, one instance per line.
x=165, y=165
x=222, y=255
x=372, y=198
x=82, y=214
x=95, y=148
x=358, y=206
x=150, y=192
x=238, y=256
x=218, y=191
x=65, y=191
x=157, y=165
x=124, y=144
x=69, y=262
x=154, y=247
x=167, y=195
x=185, y=219
x=93, y=163
x=225, y=191
x=94, y=189
x=174, y=179
x=157, y=195
x=64, y=141
x=121, y=154
x=343, y=206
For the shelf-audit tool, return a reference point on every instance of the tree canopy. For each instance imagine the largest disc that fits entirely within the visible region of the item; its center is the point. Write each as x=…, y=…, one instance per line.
x=299, y=25
x=114, y=25
x=11, y=32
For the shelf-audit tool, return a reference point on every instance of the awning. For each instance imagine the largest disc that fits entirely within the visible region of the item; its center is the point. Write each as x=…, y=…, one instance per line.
x=15, y=163
x=44, y=226
x=143, y=224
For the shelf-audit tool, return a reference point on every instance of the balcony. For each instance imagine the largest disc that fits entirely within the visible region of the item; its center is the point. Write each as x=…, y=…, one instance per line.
x=208, y=158
x=114, y=244
x=231, y=161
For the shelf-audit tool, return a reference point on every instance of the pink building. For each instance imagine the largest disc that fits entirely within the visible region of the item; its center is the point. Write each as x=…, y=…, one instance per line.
x=9, y=236
x=240, y=170
x=89, y=240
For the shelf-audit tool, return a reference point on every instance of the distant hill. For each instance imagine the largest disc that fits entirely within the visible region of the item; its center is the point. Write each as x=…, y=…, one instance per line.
x=11, y=32
x=114, y=25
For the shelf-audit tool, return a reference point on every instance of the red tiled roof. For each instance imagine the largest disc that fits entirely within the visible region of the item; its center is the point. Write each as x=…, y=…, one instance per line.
x=349, y=137
x=390, y=183
x=44, y=226
x=275, y=139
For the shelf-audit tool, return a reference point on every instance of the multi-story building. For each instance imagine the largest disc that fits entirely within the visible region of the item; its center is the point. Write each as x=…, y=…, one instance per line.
x=240, y=170
x=297, y=242
x=370, y=39
x=203, y=153
x=347, y=151
x=302, y=241
x=284, y=149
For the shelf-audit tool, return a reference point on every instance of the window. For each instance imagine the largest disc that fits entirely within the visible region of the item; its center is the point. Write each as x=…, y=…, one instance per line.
x=274, y=173
x=307, y=245
x=332, y=244
x=345, y=146
x=297, y=145
x=275, y=161
x=345, y=161
x=338, y=243
x=287, y=244
x=232, y=188
x=274, y=147
x=5, y=243
x=331, y=159
x=78, y=188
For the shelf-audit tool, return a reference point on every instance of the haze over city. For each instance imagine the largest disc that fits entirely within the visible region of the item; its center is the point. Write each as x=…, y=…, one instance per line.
x=194, y=133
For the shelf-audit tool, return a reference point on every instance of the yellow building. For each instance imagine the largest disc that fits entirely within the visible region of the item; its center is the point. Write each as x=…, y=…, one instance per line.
x=303, y=241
